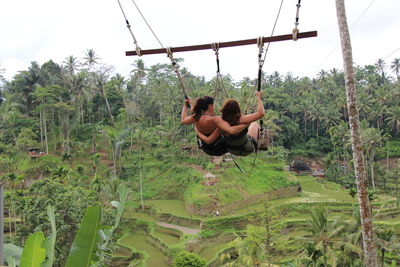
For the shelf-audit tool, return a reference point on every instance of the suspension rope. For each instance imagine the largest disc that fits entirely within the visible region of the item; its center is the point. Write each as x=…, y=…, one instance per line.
x=220, y=87
x=260, y=51
x=295, y=31
x=215, y=47
x=176, y=69
x=273, y=29
x=260, y=45
x=260, y=65
x=148, y=25
x=137, y=48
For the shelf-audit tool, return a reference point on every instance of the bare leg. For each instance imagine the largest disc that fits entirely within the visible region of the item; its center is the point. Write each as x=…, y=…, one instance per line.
x=254, y=128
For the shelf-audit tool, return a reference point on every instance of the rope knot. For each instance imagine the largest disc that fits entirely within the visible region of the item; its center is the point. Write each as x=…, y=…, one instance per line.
x=215, y=47
x=138, y=51
x=260, y=42
x=295, y=33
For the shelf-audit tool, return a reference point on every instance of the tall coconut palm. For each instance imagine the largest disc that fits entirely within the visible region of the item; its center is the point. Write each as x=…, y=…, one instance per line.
x=139, y=71
x=371, y=138
x=369, y=248
x=377, y=113
x=26, y=84
x=100, y=78
x=340, y=137
x=330, y=116
x=380, y=65
x=71, y=64
x=91, y=58
x=322, y=75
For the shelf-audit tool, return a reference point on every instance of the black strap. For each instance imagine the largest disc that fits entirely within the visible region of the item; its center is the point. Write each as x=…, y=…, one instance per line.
x=253, y=164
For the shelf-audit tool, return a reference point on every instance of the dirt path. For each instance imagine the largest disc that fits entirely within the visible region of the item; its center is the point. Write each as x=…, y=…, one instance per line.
x=182, y=229
x=197, y=168
x=243, y=192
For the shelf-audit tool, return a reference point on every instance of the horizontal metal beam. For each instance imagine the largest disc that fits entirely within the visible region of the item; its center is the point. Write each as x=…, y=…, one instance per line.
x=223, y=44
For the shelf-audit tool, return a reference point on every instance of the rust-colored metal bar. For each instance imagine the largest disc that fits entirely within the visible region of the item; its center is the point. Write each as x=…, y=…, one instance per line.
x=223, y=44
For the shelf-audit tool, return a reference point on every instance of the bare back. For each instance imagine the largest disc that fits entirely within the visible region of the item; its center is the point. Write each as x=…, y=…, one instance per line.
x=206, y=124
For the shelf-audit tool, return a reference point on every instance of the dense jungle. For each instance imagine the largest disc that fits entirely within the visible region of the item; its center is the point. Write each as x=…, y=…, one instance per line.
x=98, y=170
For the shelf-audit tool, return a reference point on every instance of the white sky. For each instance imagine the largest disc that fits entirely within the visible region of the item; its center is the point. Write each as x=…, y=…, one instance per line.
x=52, y=29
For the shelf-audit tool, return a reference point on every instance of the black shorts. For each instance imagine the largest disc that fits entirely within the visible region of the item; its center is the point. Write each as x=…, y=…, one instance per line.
x=216, y=148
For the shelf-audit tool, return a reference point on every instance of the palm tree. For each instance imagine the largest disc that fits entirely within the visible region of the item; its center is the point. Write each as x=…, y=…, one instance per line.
x=71, y=64
x=340, y=137
x=326, y=239
x=371, y=138
x=364, y=104
x=370, y=255
x=169, y=130
x=25, y=85
x=395, y=67
x=393, y=118
x=380, y=65
x=91, y=58
x=323, y=233
x=100, y=78
x=330, y=116
x=269, y=124
x=386, y=239
x=139, y=71
x=315, y=115
x=322, y=75
x=61, y=173
x=377, y=114
x=251, y=248
x=44, y=95
x=311, y=256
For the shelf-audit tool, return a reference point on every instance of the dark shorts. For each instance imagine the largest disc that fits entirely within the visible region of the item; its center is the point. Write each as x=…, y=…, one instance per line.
x=248, y=146
x=217, y=148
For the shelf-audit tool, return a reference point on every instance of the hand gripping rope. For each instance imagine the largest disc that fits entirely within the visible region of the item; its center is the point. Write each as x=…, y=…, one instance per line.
x=260, y=45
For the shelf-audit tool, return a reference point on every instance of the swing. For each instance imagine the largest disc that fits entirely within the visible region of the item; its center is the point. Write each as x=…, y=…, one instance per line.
x=264, y=135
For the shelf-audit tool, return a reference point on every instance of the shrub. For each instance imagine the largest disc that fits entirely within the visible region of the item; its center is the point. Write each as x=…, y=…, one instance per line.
x=299, y=166
x=186, y=259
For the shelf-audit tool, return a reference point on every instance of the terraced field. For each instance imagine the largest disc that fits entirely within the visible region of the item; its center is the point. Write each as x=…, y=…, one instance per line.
x=314, y=191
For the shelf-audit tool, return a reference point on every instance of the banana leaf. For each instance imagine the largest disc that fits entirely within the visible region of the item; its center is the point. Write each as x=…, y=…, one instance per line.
x=33, y=254
x=12, y=252
x=49, y=243
x=11, y=262
x=120, y=206
x=85, y=245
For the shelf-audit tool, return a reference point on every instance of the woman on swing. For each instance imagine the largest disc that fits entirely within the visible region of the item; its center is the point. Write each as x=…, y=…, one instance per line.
x=240, y=143
x=205, y=125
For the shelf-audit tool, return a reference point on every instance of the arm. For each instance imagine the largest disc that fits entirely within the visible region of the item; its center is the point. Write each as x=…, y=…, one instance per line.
x=231, y=130
x=208, y=139
x=258, y=114
x=185, y=118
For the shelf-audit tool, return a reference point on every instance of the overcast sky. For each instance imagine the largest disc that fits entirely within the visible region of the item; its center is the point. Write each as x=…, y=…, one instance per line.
x=52, y=29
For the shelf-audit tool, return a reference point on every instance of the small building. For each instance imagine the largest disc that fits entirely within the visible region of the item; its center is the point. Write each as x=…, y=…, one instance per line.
x=35, y=152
